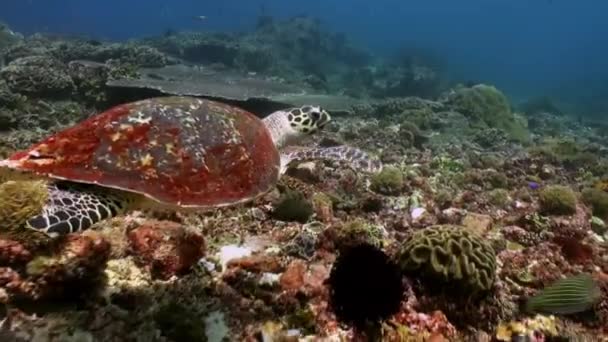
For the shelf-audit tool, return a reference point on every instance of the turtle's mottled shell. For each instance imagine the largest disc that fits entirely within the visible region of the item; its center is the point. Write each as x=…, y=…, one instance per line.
x=180, y=151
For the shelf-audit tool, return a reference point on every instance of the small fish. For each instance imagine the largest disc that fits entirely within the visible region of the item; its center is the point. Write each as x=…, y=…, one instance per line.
x=566, y=296
x=200, y=17
x=533, y=185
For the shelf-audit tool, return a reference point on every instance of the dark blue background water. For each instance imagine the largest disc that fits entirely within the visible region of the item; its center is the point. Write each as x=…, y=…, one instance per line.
x=525, y=47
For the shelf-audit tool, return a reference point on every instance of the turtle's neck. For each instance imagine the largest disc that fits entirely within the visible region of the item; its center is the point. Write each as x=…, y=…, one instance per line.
x=282, y=133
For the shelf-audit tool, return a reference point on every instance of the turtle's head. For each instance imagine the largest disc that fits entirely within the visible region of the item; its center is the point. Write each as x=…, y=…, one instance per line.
x=307, y=119
x=288, y=125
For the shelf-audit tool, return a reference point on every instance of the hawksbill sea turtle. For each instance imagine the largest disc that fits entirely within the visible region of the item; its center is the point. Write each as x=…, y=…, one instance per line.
x=174, y=152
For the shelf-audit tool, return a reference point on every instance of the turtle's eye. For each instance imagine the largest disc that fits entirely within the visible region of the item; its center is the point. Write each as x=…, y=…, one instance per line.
x=315, y=116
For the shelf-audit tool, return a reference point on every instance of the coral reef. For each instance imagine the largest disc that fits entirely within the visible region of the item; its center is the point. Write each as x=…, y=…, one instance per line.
x=40, y=76
x=66, y=49
x=478, y=214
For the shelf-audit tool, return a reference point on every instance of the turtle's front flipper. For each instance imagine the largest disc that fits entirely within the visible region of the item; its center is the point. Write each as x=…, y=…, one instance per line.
x=355, y=158
x=75, y=207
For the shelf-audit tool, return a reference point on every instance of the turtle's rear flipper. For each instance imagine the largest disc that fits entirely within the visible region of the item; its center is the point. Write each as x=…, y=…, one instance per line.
x=352, y=156
x=75, y=207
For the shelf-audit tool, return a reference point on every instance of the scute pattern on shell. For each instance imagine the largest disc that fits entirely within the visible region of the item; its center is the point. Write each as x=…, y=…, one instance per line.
x=176, y=150
x=451, y=253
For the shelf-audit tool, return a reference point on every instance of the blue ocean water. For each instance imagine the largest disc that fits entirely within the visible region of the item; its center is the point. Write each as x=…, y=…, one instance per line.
x=525, y=47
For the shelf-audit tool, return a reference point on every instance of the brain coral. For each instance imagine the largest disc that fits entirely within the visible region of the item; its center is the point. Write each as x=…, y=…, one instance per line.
x=450, y=253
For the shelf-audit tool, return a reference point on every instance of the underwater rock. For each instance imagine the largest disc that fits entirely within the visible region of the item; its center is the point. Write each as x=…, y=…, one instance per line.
x=477, y=223
x=89, y=79
x=40, y=76
x=209, y=48
x=299, y=49
x=263, y=94
x=165, y=248
x=257, y=263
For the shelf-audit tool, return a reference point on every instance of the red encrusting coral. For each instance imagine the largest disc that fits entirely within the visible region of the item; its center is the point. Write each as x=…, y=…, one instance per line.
x=12, y=252
x=165, y=248
x=574, y=250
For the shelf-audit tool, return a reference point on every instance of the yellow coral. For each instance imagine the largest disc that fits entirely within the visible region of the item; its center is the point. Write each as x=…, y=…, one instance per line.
x=529, y=326
x=546, y=324
x=20, y=200
x=602, y=185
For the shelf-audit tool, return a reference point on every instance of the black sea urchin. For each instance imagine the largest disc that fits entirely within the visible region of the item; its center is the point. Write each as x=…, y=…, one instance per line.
x=365, y=286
